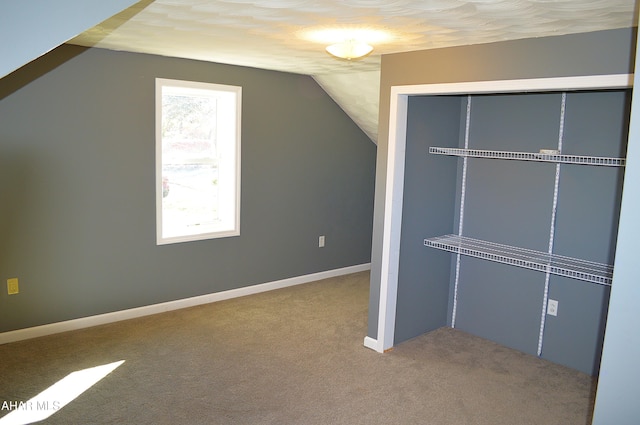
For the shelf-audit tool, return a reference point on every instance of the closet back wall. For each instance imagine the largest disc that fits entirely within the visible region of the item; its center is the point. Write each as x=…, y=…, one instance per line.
x=511, y=202
x=77, y=186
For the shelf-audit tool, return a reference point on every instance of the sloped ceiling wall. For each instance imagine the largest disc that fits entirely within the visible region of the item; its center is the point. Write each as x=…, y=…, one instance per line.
x=31, y=28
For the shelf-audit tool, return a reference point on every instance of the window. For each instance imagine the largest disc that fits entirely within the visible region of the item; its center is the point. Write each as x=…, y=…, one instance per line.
x=197, y=161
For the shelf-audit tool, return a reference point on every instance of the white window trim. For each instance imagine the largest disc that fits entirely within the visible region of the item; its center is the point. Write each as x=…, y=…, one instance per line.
x=237, y=93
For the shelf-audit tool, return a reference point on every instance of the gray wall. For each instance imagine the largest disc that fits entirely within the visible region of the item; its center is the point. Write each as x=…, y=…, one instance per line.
x=77, y=209
x=428, y=209
x=596, y=53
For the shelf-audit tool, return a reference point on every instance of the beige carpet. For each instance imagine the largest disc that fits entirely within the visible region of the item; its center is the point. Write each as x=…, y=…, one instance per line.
x=292, y=356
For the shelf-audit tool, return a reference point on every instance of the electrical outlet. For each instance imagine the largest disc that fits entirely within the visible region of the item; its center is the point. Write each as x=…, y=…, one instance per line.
x=552, y=308
x=12, y=286
x=321, y=242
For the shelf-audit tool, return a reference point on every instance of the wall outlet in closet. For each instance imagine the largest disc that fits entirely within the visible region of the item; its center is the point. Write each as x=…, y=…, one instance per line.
x=552, y=308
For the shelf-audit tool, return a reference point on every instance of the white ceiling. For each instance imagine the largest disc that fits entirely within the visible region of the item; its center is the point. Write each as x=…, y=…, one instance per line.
x=274, y=34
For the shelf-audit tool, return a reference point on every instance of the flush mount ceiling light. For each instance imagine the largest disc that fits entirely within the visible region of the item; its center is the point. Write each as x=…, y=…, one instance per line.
x=347, y=42
x=350, y=49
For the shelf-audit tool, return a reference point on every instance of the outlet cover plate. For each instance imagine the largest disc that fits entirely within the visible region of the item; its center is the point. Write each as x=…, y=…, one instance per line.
x=12, y=286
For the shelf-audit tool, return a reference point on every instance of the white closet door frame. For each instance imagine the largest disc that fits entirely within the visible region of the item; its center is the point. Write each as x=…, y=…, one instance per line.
x=395, y=170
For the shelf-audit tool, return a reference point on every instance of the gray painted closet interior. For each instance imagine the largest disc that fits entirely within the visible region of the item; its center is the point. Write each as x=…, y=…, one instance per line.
x=510, y=202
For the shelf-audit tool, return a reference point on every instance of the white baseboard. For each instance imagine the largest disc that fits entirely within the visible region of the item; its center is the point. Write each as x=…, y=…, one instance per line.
x=371, y=343
x=116, y=316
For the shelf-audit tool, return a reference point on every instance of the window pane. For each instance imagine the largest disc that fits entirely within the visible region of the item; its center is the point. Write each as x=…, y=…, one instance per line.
x=198, y=138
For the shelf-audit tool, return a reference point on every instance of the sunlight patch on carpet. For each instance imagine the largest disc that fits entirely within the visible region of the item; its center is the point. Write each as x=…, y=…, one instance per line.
x=56, y=396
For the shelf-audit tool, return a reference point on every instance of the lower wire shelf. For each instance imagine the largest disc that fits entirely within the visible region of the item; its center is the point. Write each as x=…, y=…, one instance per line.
x=588, y=271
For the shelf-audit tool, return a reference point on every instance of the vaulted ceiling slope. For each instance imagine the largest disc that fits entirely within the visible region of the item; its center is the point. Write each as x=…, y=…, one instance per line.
x=279, y=34
x=30, y=28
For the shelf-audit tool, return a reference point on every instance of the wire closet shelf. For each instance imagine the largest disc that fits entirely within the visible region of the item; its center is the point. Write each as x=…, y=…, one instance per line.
x=526, y=258
x=530, y=156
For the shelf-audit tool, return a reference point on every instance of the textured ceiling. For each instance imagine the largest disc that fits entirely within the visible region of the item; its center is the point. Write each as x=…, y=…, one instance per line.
x=277, y=34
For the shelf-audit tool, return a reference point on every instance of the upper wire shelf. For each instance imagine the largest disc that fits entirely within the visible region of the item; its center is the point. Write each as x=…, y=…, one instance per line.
x=588, y=271
x=531, y=156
